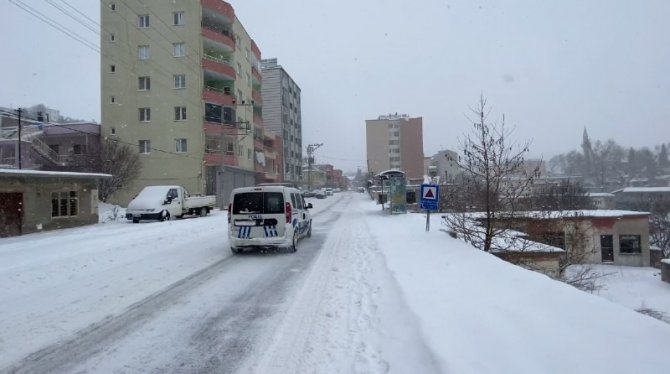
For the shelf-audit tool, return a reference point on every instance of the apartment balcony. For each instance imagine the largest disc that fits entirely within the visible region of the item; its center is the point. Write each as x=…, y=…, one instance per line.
x=218, y=66
x=256, y=51
x=218, y=9
x=213, y=128
x=258, y=120
x=258, y=99
x=258, y=144
x=215, y=96
x=218, y=37
x=212, y=159
x=256, y=75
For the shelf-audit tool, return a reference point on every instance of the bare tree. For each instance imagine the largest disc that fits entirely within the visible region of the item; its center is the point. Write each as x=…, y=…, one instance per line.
x=493, y=179
x=659, y=226
x=122, y=162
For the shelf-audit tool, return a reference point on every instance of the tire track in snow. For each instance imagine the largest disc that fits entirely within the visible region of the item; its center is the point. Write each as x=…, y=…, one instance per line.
x=328, y=326
x=92, y=340
x=85, y=343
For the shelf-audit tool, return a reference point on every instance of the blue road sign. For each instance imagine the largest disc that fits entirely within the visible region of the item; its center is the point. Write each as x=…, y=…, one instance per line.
x=430, y=197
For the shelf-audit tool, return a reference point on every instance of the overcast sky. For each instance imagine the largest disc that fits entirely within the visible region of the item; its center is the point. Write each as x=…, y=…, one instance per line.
x=552, y=67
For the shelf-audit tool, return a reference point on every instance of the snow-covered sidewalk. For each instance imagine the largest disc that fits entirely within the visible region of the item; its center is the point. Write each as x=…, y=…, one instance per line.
x=480, y=314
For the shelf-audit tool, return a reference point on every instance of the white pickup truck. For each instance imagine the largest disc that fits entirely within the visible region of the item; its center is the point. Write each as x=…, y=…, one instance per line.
x=164, y=202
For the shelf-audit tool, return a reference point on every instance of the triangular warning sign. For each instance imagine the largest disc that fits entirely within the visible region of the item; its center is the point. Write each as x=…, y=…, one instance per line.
x=429, y=193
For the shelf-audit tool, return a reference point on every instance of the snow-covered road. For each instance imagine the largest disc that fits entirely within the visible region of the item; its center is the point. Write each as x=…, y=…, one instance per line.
x=367, y=293
x=170, y=297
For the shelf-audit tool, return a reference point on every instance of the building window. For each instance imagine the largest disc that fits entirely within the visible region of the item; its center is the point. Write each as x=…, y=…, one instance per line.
x=112, y=37
x=145, y=147
x=144, y=52
x=630, y=244
x=212, y=144
x=249, y=153
x=213, y=113
x=64, y=204
x=179, y=81
x=112, y=99
x=230, y=148
x=179, y=49
x=180, y=145
x=144, y=83
x=145, y=114
x=113, y=130
x=180, y=113
x=112, y=68
x=178, y=18
x=112, y=6
x=239, y=69
x=79, y=149
x=143, y=20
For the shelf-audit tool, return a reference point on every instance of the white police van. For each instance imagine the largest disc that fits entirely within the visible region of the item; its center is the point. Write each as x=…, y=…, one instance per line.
x=267, y=216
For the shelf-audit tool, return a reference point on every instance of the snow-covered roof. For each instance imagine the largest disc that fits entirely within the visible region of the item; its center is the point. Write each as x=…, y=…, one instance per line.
x=45, y=174
x=642, y=189
x=587, y=213
x=599, y=194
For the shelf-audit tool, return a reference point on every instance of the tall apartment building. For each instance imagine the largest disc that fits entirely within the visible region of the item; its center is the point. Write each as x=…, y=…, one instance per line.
x=395, y=142
x=282, y=115
x=181, y=83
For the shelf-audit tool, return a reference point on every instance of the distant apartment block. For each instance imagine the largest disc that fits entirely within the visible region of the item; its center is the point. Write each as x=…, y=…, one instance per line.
x=181, y=83
x=445, y=165
x=282, y=115
x=395, y=142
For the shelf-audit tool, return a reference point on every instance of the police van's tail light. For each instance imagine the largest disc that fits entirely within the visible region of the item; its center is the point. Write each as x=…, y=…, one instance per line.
x=288, y=212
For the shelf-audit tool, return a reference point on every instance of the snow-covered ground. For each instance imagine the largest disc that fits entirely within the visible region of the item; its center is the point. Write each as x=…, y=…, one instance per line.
x=368, y=293
x=637, y=288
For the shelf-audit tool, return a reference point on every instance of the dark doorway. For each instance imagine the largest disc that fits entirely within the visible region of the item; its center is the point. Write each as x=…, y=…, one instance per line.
x=11, y=213
x=607, y=248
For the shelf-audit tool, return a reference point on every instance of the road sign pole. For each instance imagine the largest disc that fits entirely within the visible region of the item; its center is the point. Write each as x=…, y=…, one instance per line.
x=427, y=220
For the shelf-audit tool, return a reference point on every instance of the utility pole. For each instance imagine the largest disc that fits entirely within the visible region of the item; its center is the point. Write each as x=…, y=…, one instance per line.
x=310, y=160
x=19, y=110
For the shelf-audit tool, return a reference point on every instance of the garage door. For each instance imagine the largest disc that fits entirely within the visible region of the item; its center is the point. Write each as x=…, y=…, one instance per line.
x=11, y=214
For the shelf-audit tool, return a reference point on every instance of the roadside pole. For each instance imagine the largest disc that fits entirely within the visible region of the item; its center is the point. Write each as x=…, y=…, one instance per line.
x=430, y=200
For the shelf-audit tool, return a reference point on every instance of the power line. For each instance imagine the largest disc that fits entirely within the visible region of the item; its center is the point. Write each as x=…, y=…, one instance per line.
x=72, y=34
x=90, y=45
x=69, y=14
x=80, y=12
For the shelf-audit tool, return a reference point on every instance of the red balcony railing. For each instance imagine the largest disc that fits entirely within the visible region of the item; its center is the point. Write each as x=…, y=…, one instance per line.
x=218, y=37
x=211, y=95
x=256, y=75
x=220, y=159
x=213, y=64
x=220, y=7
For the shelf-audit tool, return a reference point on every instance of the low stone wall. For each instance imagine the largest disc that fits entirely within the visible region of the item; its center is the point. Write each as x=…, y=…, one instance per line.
x=542, y=262
x=655, y=257
x=665, y=270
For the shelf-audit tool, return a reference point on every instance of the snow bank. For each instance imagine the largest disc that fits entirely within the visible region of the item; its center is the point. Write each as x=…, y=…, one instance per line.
x=110, y=213
x=480, y=314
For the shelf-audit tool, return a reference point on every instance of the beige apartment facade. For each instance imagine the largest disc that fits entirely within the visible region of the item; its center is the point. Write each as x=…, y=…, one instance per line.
x=181, y=84
x=395, y=142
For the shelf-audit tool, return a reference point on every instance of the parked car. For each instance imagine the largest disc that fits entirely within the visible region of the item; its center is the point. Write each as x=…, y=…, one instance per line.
x=309, y=194
x=161, y=203
x=329, y=191
x=320, y=194
x=267, y=216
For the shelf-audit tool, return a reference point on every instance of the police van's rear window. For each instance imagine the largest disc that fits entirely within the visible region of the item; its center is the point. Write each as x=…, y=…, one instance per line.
x=258, y=202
